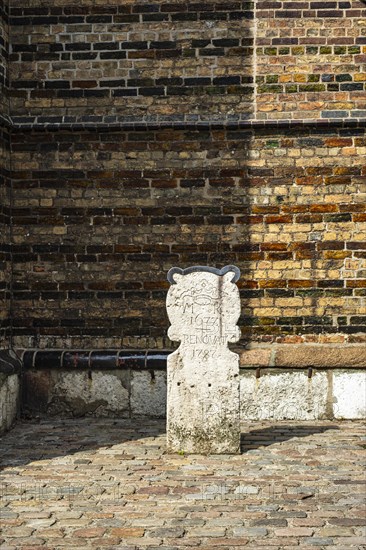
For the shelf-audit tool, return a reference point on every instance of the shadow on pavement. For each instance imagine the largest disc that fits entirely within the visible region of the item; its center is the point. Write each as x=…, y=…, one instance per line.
x=254, y=439
x=32, y=441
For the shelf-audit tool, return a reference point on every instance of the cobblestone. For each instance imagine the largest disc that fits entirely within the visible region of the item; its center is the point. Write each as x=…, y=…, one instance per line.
x=108, y=484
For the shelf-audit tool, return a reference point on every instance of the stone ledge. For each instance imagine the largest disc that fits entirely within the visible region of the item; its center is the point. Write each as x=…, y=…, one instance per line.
x=284, y=356
x=306, y=356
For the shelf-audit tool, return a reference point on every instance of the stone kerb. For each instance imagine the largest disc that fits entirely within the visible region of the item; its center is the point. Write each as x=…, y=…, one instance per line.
x=203, y=306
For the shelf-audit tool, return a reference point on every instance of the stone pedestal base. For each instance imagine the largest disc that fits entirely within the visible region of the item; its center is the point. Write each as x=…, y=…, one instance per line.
x=203, y=407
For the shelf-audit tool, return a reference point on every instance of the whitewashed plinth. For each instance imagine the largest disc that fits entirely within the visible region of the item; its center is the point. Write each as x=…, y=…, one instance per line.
x=203, y=306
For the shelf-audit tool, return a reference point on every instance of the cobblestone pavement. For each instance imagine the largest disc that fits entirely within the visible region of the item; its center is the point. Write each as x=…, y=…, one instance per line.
x=103, y=483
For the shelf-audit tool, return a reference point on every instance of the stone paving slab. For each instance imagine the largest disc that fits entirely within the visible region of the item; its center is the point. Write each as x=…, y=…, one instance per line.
x=108, y=484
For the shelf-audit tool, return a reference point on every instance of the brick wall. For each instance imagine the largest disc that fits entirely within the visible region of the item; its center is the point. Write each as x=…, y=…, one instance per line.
x=4, y=180
x=100, y=217
x=151, y=135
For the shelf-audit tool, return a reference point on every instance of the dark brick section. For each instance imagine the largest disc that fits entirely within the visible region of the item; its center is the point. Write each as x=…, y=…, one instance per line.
x=135, y=87
x=138, y=12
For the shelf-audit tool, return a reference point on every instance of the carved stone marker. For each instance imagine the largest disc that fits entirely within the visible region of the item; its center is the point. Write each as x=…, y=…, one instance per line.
x=203, y=306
